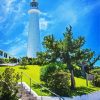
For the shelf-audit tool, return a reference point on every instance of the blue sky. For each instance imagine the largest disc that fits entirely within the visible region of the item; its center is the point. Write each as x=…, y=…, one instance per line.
x=82, y=15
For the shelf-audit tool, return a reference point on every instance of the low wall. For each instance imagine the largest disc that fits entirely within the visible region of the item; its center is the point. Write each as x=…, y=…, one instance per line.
x=91, y=96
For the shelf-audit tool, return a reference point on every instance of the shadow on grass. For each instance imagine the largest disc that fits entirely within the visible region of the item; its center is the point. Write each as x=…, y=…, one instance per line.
x=41, y=88
x=77, y=92
x=22, y=67
x=80, y=91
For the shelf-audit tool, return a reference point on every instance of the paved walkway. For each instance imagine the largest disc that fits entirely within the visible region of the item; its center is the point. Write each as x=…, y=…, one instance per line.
x=23, y=94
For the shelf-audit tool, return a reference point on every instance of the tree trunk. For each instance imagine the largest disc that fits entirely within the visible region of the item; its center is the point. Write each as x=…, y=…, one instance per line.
x=72, y=80
x=83, y=70
x=70, y=67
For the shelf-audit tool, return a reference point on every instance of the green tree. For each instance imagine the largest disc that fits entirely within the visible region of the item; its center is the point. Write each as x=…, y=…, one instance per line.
x=43, y=58
x=52, y=48
x=92, y=62
x=13, y=60
x=68, y=50
x=24, y=62
x=6, y=60
x=71, y=51
x=2, y=61
x=8, y=84
x=88, y=61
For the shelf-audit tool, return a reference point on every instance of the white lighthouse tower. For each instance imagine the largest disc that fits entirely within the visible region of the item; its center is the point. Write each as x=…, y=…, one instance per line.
x=34, y=32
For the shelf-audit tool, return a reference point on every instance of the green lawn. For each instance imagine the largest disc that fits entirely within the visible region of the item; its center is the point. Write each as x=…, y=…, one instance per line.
x=34, y=73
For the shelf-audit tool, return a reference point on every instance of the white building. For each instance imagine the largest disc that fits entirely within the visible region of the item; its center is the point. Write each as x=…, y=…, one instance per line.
x=34, y=32
x=4, y=54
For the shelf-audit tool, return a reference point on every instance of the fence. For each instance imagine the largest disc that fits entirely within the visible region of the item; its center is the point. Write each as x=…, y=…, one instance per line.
x=89, y=77
x=41, y=87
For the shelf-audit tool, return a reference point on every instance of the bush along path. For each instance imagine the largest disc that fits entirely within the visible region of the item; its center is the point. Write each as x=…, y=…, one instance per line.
x=26, y=92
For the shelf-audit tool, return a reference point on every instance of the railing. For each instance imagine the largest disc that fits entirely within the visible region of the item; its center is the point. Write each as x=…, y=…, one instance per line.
x=41, y=86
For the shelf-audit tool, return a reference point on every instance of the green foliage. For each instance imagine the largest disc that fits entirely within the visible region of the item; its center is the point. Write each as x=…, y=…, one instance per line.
x=66, y=50
x=34, y=72
x=59, y=83
x=6, y=60
x=24, y=62
x=55, y=78
x=8, y=84
x=52, y=48
x=96, y=80
x=2, y=61
x=69, y=51
x=96, y=71
x=77, y=72
x=30, y=61
x=13, y=60
x=42, y=58
x=48, y=70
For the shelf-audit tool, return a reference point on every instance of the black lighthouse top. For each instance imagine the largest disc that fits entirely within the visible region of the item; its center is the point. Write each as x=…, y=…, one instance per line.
x=34, y=4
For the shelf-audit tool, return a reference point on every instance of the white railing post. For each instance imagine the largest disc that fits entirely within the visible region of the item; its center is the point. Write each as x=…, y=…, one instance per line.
x=41, y=93
x=21, y=78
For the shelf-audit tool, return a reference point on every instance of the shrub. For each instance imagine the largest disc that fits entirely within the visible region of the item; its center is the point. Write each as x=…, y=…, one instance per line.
x=8, y=84
x=48, y=70
x=13, y=60
x=96, y=73
x=59, y=83
x=55, y=78
x=30, y=61
x=6, y=60
x=96, y=80
x=39, y=61
x=2, y=61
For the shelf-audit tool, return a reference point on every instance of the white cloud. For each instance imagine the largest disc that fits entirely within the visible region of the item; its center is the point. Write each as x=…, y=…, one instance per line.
x=18, y=48
x=2, y=19
x=7, y=42
x=43, y=23
x=71, y=11
x=43, y=13
x=11, y=41
x=65, y=13
x=14, y=51
x=25, y=31
x=88, y=8
x=8, y=6
x=12, y=13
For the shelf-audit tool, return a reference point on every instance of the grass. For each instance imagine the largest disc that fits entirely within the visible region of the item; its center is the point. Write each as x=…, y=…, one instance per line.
x=34, y=73
x=82, y=88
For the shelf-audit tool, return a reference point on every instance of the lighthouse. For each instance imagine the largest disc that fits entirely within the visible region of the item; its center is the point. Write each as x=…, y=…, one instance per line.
x=33, y=45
